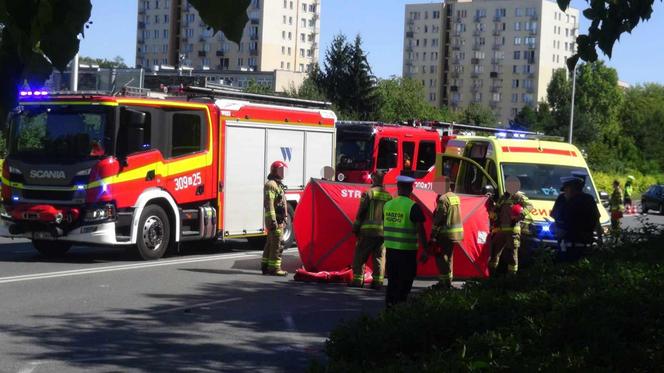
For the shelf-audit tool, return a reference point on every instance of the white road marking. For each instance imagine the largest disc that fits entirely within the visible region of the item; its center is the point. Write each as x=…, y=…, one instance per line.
x=198, y=305
x=124, y=267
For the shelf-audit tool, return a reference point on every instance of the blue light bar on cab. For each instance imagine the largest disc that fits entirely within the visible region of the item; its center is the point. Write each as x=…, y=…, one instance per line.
x=35, y=93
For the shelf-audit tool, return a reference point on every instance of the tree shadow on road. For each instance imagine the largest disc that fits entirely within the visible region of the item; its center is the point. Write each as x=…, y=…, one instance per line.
x=272, y=324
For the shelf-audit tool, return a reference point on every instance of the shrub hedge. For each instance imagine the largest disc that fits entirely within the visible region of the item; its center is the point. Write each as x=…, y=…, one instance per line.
x=604, y=180
x=604, y=313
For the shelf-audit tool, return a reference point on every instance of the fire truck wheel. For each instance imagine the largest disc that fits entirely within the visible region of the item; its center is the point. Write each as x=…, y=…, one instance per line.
x=154, y=233
x=51, y=249
x=289, y=236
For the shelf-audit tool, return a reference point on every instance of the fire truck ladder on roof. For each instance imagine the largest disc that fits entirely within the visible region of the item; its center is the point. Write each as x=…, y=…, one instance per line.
x=214, y=92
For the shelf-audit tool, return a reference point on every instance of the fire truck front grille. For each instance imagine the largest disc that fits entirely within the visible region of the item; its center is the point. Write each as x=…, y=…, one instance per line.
x=48, y=195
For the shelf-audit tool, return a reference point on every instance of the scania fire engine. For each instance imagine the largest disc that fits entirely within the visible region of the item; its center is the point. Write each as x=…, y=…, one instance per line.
x=149, y=174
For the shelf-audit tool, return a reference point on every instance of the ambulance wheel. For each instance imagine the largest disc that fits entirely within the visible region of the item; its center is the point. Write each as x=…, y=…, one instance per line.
x=51, y=249
x=154, y=233
x=289, y=235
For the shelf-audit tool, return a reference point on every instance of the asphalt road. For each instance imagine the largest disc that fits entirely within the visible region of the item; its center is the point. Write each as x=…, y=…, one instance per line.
x=97, y=310
x=208, y=310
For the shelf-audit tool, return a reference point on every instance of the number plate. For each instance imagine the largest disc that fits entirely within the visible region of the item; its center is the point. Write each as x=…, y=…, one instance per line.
x=42, y=236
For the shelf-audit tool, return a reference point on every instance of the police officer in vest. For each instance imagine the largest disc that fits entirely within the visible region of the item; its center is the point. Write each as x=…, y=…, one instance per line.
x=368, y=228
x=511, y=208
x=276, y=214
x=446, y=231
x=403, y=227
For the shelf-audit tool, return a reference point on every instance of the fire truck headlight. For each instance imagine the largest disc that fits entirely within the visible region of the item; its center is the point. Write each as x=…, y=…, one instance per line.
x=100, y=213
x=341, y=177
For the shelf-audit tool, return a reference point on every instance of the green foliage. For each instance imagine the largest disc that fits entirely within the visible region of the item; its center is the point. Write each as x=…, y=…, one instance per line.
x=642, y=119
x=608, y=21
x=116, y=63
x=227, y=16
x=37, y=36
x=604, y=180
x=402, y=99
x=602, y=313
x=253, y=87
x=308, y=90
x=479, y=115
x=346, y=79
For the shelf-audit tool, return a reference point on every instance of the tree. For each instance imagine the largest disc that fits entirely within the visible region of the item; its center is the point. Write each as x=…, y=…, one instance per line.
x=526, y=119
x=115, y=63
x=254, y=87
x=346, y=79
x=402, y=99
x=37, y=35
x=609, y=20
x=478, y=115
x=308, y=90
x=362, y=91
x=642, y=117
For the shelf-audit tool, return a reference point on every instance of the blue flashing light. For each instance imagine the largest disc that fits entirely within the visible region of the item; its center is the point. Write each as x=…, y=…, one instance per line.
x=501, y=134
x=35, y=93
x=546, y=228
x=15, y=198
x=80, y=187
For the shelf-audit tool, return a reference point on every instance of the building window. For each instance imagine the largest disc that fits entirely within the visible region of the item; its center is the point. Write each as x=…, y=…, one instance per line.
x=435, y=14
x=517, y=26
x=517, y=55
x=518, y=12
x=301, y=52
x=283, y=35
x=517, y=40
x=302, y=37
x=289, y=51
x=515, y=97
x=282, y=62
x=284, y=19
x=156, y=19
x=515, y=83
x=501, y=12
x=290, y=36
x=283, y=50
x=302, y=67
x=288, y=66
x=165, y=34
x=304, y=7
x=304, y=22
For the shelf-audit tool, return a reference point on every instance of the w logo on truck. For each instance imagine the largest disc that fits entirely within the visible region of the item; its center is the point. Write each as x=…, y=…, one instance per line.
x=286, y=153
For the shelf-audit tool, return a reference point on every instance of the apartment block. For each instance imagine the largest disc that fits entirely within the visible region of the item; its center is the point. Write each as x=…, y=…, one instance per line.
x=280, y=35
x=497, y=53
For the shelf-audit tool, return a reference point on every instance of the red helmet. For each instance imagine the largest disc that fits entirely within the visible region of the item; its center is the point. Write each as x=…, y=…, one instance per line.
x=517, y=210
x=277, y=164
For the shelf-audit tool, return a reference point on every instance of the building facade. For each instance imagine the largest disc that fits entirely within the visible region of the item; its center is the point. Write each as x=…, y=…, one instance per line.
x=496, y=53
x=280, y=35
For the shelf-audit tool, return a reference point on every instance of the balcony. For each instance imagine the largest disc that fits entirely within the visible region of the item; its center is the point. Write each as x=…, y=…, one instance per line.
x=454, y=88
x=255, y=21
x=497, y=47
x=478, y=18
x=475, y=74
x=220, y=53
x=494, y=104
x=495, y=88
x=410, y=34
x=141, y=25
x=534, y=17
x=475, y=88
x=497, y=19
x=532, y=46
x=456, y=61
x=532, y=31
x=411, y=22
x=530, y=90
x=253, y=52
x=454, y=74
x=495, y=75
x=253, y=37
x=202, y=54
x=497, y=32
x=478, y=32
x=456, y=47
x=477, y=47
x=497, y=61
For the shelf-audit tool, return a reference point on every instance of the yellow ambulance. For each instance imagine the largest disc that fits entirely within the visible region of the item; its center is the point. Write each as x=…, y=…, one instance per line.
x=479, y=163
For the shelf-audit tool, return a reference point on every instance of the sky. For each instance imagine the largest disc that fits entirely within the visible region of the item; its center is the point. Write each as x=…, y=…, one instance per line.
x=638, y=57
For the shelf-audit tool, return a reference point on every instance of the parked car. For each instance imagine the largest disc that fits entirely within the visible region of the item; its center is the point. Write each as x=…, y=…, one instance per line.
x=604, y=197
x=653, y=199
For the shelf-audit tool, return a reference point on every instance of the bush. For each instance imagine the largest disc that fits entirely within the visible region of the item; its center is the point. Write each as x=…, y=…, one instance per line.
x=603, y=313
x=604, y=180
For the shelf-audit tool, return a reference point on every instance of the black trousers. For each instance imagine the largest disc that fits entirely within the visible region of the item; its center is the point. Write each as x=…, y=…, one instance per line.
x=401, y=270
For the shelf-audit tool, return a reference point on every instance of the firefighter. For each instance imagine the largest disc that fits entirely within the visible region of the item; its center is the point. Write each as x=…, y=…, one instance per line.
x=368, y=228
x=508, y=213
x=276, y=214
x=446, y=231
x=616, y=208
x=403, y=226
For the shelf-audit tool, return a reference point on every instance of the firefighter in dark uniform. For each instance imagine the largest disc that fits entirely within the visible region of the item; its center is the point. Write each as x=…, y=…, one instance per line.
x=579, y=220
x=446, y=231
x=403, y=226
x=508, y=212
x=276, y=214
x=368, y=228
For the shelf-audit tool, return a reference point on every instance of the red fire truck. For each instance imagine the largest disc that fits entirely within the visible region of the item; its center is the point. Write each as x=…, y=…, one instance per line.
x=150, y=174
x=364, y=147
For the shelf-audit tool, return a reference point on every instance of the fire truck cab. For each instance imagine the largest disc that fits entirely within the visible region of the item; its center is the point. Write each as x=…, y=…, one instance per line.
x=364, y=147
x=95, y=169
x=477, y=164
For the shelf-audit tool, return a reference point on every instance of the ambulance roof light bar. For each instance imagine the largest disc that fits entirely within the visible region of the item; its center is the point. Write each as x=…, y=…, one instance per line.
x=254, y=97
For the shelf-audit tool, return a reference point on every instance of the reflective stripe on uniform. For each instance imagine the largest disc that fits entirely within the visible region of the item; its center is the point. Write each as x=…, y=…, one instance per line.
x=454, y=200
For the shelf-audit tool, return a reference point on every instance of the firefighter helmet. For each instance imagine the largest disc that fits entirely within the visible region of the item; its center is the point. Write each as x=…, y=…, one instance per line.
x=517, y=210
x=277, y=164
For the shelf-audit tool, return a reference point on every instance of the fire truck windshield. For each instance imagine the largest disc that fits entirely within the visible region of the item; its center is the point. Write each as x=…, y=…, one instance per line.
x=60, y=131
x=542, y=181
x=354, y=151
